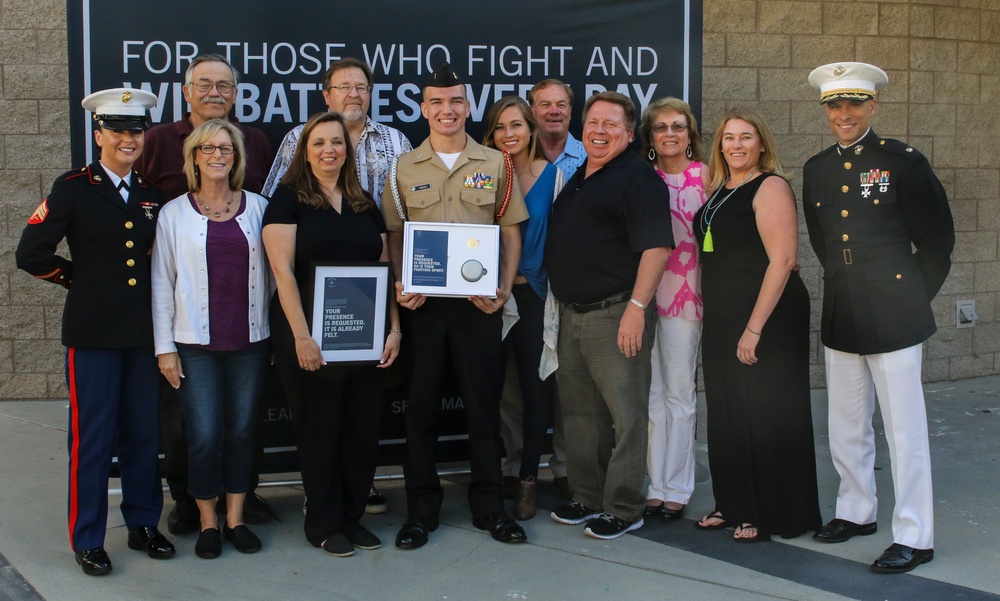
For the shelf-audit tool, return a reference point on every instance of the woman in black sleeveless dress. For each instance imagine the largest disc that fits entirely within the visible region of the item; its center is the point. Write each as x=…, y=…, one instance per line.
x=755, y=343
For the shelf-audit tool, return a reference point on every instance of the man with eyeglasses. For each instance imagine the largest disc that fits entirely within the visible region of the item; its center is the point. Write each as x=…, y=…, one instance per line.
x=210, y=87
x=347, y=89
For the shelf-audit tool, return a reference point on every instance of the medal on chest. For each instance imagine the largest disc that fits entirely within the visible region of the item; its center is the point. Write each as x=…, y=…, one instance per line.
x=874, y=177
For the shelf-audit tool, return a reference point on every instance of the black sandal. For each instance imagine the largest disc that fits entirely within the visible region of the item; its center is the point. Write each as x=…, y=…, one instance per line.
x=715, y=515
x=759, y=538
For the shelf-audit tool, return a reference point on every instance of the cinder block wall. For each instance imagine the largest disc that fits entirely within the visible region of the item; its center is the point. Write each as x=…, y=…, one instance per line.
x=941, y=57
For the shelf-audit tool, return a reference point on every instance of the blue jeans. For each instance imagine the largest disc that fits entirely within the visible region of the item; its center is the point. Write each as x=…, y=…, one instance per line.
x=219, y=396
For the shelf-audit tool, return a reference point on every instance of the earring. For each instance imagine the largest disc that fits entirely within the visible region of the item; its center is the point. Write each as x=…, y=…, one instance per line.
x=652, y=154
x=689, y=152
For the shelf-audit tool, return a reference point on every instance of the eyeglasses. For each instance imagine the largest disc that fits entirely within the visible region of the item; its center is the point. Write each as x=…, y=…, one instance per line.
x=210, y=149
x=345, y=88
x=224, y=87
x=677, y=128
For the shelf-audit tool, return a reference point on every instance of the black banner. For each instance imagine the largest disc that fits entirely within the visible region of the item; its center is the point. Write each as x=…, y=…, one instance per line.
x=646, y=49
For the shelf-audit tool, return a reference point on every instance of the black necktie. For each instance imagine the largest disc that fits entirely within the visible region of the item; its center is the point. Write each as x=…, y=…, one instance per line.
x=123, y=184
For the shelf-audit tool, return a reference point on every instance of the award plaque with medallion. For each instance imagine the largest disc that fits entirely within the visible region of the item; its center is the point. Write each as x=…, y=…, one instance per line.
x=451, y=259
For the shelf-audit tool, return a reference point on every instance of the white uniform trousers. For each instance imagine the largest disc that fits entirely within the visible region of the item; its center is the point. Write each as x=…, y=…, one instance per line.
x=853, y=382
x=673, y=404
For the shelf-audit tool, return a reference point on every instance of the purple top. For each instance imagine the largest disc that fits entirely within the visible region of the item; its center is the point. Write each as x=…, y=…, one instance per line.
x=228, y=254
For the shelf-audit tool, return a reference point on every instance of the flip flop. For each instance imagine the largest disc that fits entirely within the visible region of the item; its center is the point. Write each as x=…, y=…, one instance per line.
x=715, y=515
x=760, y=538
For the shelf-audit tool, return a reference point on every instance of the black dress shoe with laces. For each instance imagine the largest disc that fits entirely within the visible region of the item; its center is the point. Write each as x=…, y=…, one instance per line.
x=414, y=532
x=838, y=531
x=502, y=527
x=149, y=539
x=898, y=559
x=94, y=561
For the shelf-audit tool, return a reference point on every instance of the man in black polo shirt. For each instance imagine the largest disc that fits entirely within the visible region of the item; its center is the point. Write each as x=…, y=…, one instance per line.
x=608, y=242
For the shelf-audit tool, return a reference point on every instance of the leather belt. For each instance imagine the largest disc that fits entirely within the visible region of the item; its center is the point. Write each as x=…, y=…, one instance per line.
x=601, y=304
x=867, y=255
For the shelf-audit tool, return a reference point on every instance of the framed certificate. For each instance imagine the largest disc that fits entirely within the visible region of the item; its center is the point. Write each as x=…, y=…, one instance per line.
x=350, y=308
x=451, y=259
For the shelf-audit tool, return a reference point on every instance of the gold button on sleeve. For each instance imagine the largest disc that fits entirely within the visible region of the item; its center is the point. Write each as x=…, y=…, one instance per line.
x=817, y=204
x=899, y=276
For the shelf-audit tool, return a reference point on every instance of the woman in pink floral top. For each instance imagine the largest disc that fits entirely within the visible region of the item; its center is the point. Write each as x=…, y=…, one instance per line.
x=673, y=146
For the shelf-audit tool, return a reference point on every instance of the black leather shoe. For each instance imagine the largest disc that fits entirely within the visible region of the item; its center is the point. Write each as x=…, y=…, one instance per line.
x=502, y=527
x=94, y=561
x=671, y=514
x=414, y=532
x=898, y=559
x=184, y=518
x=149, y=539
x=838, y=531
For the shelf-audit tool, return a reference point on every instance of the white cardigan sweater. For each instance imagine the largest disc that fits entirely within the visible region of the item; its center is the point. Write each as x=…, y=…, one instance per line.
x=180, y=274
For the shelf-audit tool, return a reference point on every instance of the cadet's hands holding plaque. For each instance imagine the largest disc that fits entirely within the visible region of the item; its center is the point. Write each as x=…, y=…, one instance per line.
x=411, y=300
x=490, y=305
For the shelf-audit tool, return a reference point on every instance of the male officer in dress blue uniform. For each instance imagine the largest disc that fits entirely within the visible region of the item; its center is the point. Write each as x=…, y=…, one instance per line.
x=868, y=203
x=107, y=214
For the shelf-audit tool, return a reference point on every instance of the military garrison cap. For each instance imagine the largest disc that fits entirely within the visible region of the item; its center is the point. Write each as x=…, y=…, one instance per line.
x=443, y=77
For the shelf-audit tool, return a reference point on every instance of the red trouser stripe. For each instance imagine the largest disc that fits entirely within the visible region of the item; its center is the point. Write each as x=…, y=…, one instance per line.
x=74, y=451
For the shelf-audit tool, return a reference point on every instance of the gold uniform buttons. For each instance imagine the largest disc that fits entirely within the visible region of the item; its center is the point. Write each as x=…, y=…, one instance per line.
x=129, y=244
x=844, y=213
x=875, y=201
x=131, y=281
x=847, y=165
x=845, y=237
x=844, y=189
x=899, y=276
x=128, y=225
x=818, y=204
x=130, y=263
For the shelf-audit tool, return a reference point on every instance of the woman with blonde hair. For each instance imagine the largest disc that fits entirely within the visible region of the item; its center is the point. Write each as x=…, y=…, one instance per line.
x=210, y=325
x=755, y=343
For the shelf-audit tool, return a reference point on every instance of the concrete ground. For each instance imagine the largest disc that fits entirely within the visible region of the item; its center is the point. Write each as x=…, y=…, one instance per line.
x=661, y=560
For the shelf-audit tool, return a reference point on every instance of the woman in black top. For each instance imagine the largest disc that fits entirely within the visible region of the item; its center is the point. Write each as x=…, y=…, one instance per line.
x=320, y=213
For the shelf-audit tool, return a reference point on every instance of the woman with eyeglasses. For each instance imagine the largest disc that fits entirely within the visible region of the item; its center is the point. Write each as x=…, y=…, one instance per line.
x=669, y=133
x=210, y=325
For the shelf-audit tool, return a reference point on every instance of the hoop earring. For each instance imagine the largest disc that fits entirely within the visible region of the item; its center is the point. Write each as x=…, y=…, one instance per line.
x=689, y=152
x=651, y=154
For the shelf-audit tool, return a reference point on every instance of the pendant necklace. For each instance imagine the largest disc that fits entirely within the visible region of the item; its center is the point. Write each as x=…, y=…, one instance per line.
x=216, y=214
x=706, y=219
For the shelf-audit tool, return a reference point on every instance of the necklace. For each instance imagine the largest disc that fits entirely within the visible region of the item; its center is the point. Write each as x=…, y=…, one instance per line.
x=205, y=208
x=706, y=219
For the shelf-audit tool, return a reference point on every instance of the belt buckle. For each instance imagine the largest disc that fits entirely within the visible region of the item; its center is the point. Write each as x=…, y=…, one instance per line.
x=847, y=257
